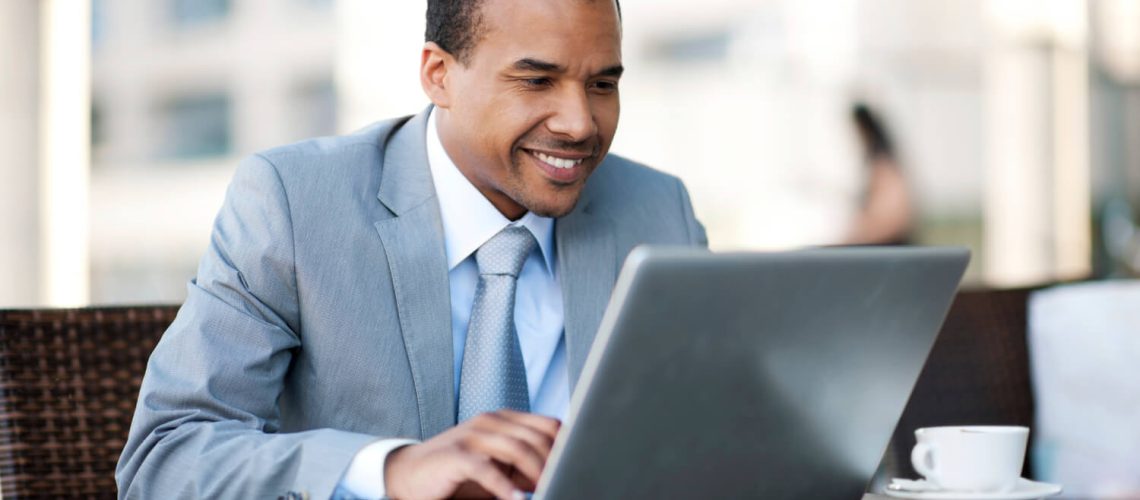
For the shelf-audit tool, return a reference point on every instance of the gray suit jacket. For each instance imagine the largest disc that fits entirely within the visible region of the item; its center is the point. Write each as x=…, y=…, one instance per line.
x=320, y=318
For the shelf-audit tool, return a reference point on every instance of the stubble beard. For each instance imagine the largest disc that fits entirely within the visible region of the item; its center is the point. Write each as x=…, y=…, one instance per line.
x=534, y=204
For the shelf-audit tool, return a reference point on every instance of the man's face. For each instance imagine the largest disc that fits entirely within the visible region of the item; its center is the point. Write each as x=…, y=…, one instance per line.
x=534, y=110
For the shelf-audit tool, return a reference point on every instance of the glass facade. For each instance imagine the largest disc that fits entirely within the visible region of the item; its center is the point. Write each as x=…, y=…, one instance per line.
x=197, y=126
x=196, y=12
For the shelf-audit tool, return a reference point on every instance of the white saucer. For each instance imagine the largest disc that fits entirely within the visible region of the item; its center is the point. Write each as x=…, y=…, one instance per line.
x=921, y=490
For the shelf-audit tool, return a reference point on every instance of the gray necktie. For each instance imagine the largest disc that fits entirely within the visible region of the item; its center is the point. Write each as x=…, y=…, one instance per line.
x=493, y=376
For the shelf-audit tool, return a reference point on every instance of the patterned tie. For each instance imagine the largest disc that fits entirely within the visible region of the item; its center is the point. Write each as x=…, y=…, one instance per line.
x=493, y=376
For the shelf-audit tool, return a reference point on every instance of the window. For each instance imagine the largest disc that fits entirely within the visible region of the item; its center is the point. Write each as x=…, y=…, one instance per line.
x=317, y=4
x=694, y=47
x=98, y=23
x=197, y=126
x=98, y=128
x=186, y=13
x=314, y=105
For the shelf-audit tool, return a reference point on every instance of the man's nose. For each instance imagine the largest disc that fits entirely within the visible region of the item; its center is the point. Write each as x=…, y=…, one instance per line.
x=573, y=117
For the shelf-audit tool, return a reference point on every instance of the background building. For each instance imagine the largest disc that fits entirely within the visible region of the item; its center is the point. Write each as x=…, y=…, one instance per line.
x=181, y=90
x=1012, y=117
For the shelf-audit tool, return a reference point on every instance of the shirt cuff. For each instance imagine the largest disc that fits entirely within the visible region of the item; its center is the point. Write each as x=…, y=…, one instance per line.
x=365, y=475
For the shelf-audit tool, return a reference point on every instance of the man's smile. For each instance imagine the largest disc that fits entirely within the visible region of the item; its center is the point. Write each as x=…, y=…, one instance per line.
x=561, y=167
x=558, y=162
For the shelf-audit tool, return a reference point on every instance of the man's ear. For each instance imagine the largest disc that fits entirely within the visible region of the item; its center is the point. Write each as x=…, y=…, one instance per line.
x=434, y=65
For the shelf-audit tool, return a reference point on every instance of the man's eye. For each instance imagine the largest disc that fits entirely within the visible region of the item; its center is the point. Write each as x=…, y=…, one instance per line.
x=605, y=86
x=536, y=82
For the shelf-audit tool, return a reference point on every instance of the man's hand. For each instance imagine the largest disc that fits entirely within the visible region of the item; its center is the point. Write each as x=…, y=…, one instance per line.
x=494, y=454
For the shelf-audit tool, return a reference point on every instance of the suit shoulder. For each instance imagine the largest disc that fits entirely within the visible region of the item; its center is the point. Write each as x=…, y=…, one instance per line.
x=625, y=179
x=632, y=170
x=647, y=206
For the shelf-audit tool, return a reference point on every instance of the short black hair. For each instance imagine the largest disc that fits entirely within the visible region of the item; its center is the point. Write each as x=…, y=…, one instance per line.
x=457, y=25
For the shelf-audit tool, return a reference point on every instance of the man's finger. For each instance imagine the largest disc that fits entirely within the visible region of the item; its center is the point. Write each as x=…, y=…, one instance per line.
x=508, y=450
x=482, y=470
x=545, y=425
x=540, y=441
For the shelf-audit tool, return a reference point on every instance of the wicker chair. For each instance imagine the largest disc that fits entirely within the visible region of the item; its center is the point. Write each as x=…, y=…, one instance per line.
x=69, y=380
x=977, y=373
x=68, y=384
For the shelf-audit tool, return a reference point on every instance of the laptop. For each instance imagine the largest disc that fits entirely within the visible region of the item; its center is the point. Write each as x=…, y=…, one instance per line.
x=750, y=375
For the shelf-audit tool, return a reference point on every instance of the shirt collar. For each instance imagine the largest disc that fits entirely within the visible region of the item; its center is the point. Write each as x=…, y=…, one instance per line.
x=469, y=218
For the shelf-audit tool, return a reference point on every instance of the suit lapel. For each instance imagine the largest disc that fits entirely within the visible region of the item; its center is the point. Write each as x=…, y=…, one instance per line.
x=413, y=244
x=587, y=269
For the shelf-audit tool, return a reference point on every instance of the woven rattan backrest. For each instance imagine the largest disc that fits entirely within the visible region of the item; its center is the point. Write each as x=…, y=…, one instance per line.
x=977, y=372
x=68, y=384
x=69, y=380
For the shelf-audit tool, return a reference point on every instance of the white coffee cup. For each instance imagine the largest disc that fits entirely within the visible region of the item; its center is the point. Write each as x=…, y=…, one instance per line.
x=971, y=458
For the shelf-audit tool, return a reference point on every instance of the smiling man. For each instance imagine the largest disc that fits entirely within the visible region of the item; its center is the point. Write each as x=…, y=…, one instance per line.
x=529, y=112
x=404, y=311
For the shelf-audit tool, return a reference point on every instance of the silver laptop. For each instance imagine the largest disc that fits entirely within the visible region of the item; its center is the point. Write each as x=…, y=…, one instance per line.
x=750, y=375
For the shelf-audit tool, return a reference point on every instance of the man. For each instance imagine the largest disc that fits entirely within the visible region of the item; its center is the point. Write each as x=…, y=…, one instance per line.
x=315, y=354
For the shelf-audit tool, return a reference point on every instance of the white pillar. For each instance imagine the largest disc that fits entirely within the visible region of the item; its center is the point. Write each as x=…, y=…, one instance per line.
x=1016, y=209
x=19, y=156
x=1037, y=209
x=65, y=150
x=1072, y=163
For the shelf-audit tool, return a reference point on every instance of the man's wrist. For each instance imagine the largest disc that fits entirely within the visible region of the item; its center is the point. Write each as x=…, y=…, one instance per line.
x=390, y=473
x=364, y=477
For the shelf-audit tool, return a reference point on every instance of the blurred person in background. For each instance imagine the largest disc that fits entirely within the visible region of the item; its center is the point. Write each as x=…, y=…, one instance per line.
x=385, y=313
x=886, y=216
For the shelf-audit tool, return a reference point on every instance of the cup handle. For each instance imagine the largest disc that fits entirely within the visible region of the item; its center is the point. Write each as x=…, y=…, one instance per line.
x=922, y=458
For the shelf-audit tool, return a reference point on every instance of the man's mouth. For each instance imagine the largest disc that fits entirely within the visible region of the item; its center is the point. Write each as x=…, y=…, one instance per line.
x=558, y=162
x=562, y=167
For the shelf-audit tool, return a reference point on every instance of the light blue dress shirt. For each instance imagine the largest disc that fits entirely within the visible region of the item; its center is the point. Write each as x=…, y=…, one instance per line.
x=469, y=220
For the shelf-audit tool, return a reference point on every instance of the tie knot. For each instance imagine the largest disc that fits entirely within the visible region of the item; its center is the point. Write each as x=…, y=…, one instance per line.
x=505, y=252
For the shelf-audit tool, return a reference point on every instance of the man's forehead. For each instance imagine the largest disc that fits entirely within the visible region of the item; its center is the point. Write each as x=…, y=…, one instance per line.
x=511, y=4
x=511, y=15
x=557, y=32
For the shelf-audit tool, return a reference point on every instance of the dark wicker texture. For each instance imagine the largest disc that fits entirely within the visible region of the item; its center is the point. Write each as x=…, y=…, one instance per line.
x=68, y=384
x=69, y=380
x=977, y=373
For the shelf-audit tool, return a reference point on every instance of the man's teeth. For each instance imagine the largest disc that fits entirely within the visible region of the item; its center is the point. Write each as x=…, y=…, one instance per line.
x=557, y=162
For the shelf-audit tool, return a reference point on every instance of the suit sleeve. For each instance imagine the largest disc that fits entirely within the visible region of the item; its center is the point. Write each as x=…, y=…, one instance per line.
x=207, y=419
x=696, y=230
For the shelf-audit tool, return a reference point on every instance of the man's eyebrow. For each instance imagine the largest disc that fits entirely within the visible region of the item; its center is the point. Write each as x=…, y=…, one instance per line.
x=528, y=64
x=613, y=71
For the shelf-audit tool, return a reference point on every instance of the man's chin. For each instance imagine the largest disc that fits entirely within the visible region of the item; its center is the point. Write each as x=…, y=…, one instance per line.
x=552, y=209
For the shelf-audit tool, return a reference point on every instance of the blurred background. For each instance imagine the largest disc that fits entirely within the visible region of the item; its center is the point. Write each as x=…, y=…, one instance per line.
x=1011, y=127
x=121, y=122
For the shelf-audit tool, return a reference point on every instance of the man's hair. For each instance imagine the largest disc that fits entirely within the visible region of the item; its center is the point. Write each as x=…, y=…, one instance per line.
x=457, y=25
